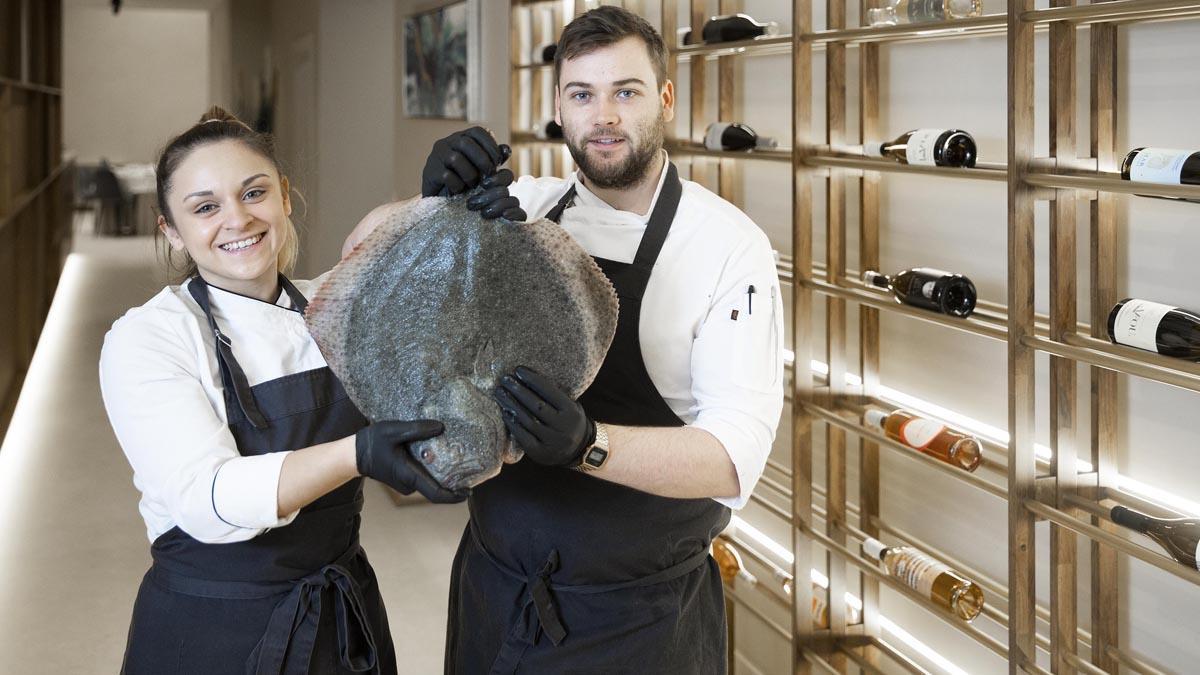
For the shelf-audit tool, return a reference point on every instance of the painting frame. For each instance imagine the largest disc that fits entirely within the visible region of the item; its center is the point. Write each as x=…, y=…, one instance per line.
x=442, y=62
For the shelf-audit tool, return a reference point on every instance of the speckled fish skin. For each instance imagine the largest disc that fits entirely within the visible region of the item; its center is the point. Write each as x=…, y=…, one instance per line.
x=422, y=318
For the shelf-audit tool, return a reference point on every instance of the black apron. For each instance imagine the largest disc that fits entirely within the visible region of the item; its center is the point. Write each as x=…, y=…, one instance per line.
x=562, y=572
x=296, y=599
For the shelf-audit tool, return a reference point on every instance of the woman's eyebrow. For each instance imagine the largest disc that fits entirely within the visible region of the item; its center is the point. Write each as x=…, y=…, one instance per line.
x=208, y=193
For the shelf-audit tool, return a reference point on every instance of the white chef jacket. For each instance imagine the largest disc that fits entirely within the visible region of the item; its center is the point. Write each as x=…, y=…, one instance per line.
x=162, y=388
x=716, y=373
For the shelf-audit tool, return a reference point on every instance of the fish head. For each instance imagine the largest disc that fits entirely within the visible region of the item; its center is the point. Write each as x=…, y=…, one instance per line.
x=472, y=447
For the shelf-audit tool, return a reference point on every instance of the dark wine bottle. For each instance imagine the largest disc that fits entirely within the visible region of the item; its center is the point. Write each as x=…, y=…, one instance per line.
x=1163, y=166
x=548, y=52
x=928, y=288
x=548, y=131
x=928, y=147
x=734, y=27
x=1155, y=327
x=727, y=136
x=1180, y=537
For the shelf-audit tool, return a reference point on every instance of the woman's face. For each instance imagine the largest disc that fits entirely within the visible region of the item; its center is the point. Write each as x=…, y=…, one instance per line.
x=230, y=210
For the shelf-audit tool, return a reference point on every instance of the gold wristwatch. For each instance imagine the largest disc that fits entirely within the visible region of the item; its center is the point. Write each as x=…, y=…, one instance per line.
x=595, y=456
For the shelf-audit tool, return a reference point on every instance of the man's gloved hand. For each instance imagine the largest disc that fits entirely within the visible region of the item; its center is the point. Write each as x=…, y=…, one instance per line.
x=466, y=159
x=495, y=201
x=382, y=453
x=551, y=428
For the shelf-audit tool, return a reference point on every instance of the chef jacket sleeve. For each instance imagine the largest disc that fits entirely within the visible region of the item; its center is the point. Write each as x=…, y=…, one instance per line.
x=737, y=363
x=182, y=453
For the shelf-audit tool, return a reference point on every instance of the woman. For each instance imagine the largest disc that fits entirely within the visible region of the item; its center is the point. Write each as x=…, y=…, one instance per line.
x=248, y=453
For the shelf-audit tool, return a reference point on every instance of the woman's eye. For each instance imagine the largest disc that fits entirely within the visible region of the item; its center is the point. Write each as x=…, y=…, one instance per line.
x=254, y=193
x=206, y=208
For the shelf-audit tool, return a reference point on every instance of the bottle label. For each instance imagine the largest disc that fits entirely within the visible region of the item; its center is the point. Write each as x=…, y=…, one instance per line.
x=1158, y=165
x=1196, y=555
x=1137, y=322
x=918, y=571
x=927, y=289
x=920, y=146
x=919, y=433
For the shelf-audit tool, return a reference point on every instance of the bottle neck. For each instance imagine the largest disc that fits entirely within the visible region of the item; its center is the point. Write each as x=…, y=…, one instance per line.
x=1131, y=519
x=877, y=280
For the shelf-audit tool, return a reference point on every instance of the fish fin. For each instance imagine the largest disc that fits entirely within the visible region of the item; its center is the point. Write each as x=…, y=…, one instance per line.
x=486, y=370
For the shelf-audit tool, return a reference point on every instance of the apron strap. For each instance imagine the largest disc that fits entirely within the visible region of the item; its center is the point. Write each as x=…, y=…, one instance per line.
x=634, y=278
x=231, y=372
x=287, y=644
x=540, y=615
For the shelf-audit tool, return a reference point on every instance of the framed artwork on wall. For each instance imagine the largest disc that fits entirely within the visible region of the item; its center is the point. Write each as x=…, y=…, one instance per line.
x=442, y=62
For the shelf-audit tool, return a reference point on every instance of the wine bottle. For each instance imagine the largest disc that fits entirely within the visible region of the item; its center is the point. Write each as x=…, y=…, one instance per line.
x=929, y=437
x=928, y=288
x=1179, y=536
x=733, y=27
x=727, y=136
x=1163, y=166
x=544, y=53
x=548, y=131
x=923, y=11
x=945, y=587
x=729, y=563
x=1155, y=327
x=928, y=147
x=820, y=609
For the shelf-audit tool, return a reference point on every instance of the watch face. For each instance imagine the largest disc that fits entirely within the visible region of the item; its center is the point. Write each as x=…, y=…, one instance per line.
x=595, y=457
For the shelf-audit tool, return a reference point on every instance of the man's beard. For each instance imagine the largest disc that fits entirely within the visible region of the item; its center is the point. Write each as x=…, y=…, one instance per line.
x=617, y=176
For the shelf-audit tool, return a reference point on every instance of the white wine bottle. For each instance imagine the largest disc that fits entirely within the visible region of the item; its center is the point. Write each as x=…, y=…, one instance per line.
x=727, y=136
x=923, y=11
x=548, y=131
x=1180, y=537
x=1155, y=327
x=729, y=562
x=928, y=147
x=928, y=288
x=820, y=608
x=734, y=27
x=945, y=587
x=1163, y=166
x=929, y=437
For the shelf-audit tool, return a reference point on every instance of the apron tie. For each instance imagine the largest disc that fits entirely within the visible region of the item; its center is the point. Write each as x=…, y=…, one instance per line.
x=287, y=644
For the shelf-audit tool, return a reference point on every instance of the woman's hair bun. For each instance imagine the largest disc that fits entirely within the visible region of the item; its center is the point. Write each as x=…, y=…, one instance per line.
x=219, y=114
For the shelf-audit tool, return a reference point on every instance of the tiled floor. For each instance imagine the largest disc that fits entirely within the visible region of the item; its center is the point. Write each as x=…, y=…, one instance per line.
x=72, y=545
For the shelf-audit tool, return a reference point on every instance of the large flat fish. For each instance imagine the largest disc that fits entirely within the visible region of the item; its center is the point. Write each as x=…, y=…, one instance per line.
x=424, y=316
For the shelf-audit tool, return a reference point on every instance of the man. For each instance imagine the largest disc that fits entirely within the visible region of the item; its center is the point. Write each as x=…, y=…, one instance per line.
x=591, y=554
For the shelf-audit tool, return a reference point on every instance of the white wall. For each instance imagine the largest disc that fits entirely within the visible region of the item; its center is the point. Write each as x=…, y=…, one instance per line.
x=133, y=80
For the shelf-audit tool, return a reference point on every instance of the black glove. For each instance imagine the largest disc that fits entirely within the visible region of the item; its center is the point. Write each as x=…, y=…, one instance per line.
x=551, y=428
x=382, y=453
x=460, y=161
x=494, y=201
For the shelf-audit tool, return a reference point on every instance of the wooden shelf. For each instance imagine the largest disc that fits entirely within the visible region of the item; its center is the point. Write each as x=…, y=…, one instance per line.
x=1110, y=182
x=763, y=46
x=1116, y=12
x=991, y=24
x=30, y=86
x=687, y=149
x=982, y=170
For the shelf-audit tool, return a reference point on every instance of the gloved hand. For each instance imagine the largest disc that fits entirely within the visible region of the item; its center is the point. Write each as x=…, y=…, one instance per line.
x=495, y=201
x=551, y=428
x=382, y=453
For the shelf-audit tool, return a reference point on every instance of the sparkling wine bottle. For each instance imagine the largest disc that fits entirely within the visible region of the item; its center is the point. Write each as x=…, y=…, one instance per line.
x=548, y=131
x=727, y=136
x=928, y=288
x=929, y=437
x=734, y=27
x=1180, y=537
x=1155, y=327
x=928, y=147
x=923, y=11
x=945, y=587
x=1163, y=166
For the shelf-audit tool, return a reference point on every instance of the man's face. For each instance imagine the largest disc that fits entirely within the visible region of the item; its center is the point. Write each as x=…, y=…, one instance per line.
x=612, y=112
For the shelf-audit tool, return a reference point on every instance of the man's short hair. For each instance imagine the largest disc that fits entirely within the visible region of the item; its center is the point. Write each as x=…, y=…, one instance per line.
x=608, y=25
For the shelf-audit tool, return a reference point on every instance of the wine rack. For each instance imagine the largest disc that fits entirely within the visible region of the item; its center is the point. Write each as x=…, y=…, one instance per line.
x=35, y=183
x=827, y=522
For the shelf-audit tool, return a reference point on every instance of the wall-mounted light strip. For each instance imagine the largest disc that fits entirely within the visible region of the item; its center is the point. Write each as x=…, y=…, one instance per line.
x=1000, y=436
x=749, y=531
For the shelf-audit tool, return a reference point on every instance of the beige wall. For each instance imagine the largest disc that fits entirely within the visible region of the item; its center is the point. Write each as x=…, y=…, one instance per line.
x=131, y=81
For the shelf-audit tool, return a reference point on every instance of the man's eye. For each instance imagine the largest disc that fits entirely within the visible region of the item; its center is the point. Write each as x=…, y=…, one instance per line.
x=626, y=93
x=580, y=95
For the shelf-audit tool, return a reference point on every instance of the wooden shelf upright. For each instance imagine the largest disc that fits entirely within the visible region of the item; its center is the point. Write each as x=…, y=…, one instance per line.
x=35, y=183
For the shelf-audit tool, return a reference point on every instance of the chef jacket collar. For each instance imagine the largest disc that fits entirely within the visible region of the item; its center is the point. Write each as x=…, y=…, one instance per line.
x=587, y=198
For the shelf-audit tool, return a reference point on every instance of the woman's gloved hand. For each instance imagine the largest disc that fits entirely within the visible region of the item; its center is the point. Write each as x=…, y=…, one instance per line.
x=382, y=453
x=551, y=428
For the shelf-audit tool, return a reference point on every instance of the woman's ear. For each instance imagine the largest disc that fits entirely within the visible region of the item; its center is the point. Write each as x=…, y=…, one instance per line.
x=286, y=189
x=169, y=232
